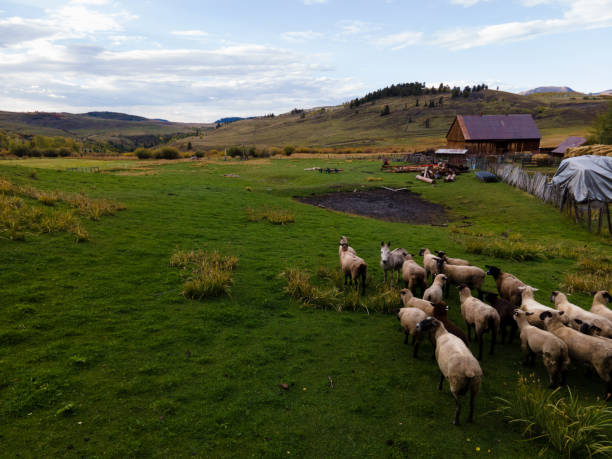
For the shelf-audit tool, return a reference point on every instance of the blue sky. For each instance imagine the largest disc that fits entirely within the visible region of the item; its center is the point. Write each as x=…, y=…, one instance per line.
x=202, y=60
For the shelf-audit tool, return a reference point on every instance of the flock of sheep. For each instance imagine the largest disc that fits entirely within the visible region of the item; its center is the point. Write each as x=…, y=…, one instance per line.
x=556, y=334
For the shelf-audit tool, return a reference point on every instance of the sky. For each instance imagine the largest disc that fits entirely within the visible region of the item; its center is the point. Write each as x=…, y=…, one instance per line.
x=197, y=61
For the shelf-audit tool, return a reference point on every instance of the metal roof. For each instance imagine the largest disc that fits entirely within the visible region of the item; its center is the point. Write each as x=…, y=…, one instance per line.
x=498, y=127
x=450, y=151
x=570, y=142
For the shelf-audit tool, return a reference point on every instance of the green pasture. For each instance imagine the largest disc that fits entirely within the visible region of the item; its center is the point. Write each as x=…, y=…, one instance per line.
x=101, y=355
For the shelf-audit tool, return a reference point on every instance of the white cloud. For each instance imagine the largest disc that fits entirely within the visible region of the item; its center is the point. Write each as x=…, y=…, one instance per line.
x=399, y=40
x=578, y=15
x=301, y=36
x=314, y=2
x=189, y=33
x=467, y=3
x=354, y=27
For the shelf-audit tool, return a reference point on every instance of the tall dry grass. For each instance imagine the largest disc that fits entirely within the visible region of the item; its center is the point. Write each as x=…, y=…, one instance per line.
x=275, y=216
x=593, y=274
x=208, y=274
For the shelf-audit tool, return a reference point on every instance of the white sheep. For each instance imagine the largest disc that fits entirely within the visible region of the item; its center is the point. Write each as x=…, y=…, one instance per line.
x=435, y=292
x=529, y=304
x=414, y=275
x=472, y=276
x=411, y=301
x=583, y=348
x=430, y=262
x=344, y=240
x=409, y=318
x=453, y=261
x=353, y=267
x=480, y=316
x=552, y=349
x=576, y=312
x=456, y=363
x=600, y=300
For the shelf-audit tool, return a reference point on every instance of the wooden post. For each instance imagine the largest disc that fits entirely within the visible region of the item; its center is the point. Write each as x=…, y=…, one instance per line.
x=589, y=214
x=609, y=224
x=599, y=220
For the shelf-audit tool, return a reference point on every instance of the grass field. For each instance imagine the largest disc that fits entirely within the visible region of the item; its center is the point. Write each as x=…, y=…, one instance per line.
x=101, y=355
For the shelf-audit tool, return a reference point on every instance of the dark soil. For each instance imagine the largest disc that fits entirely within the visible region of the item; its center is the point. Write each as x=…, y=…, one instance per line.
x=394, y=206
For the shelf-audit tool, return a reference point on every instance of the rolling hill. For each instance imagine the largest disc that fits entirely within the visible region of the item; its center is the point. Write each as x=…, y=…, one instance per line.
x=543, y=89
x=556, y=114
x=118, y=130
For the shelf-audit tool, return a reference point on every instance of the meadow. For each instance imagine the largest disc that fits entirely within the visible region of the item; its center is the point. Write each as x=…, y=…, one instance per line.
x=101, y=354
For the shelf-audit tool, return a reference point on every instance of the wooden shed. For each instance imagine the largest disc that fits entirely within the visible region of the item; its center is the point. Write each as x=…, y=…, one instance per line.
x=494, y=134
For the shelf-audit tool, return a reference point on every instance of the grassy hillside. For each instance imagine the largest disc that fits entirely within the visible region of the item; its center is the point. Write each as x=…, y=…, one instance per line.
x=101, y=355
x=557, y=115
x=118, y=129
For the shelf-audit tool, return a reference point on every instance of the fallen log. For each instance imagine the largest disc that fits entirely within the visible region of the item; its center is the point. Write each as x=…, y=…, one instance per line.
x=425, y=179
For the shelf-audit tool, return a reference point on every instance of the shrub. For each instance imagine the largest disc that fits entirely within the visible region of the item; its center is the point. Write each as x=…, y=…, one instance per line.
x=288, y=150
x=167, y=153
x=64, y=152
x=19, y=150
x=234, y=151
x=571, y=427
x=142, y=153
x=50, y=153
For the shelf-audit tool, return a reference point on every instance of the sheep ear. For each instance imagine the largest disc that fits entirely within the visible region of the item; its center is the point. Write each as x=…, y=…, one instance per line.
x=535, y=289
x=529, y=313
x=578, y=321
x=595, y=327
x=522, y=288
x=382, y=243
x=560, y=313
x=545, y=314
x=389, y=244
x=593, y=293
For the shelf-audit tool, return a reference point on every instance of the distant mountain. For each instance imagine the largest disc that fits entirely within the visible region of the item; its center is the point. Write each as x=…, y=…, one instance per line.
x=115, y=116
x=541, y=89
x=607, y=92
x=230, y=119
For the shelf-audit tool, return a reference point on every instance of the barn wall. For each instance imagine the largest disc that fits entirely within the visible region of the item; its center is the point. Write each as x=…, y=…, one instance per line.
x=455, y=134
x=483, y=147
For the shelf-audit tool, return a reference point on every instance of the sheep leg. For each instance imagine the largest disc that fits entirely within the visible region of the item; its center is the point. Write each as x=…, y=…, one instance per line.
x=457, y=410
x=416, y=348
x=479, y=345
x=406, y=337
x=441, y=381
x=469, y=329
x=472, y=399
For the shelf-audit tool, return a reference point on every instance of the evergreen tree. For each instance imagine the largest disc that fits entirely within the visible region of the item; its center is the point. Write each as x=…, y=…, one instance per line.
x=385, y=111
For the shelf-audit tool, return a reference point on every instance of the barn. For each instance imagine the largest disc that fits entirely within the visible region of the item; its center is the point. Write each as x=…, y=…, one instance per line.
x=494, y=134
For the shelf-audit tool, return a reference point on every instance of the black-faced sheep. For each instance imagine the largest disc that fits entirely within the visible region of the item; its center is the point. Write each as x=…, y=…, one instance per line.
x=480, y=316
x=456, y=363
x=553, y=349
x=505, y=309
x=600, y=301
x=576, y=312
x=508, y=285
x=529, y=304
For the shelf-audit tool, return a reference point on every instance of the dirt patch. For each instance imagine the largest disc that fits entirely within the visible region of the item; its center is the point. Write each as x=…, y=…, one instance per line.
x=394, y=206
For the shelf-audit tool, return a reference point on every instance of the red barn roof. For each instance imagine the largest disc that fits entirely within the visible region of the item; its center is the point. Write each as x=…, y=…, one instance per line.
x=498, y=127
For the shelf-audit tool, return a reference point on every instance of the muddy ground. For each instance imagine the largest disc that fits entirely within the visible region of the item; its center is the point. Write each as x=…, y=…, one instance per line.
x=394, y=206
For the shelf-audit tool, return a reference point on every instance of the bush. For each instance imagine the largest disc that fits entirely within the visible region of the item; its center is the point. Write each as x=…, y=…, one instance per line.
x=19, y=150
x=167, y=153
x=572, y=428
x=64, y=152
x=142, y=153
x=288, y=150
x=234, y=151
x=199, y=154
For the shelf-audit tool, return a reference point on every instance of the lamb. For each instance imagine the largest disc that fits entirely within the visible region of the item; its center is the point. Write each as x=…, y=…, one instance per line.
x=352, y=266
x=410, y=300
x=531, y=305
x=344, y=240
x=505, y=309
x=583, y=348
x=507, y=285
x=456, y=363
x=435, y=292
x=453, y=261
x=441, y=314
x=391, y=260
x=413, y=274
x=479, y=315
x=600, y=300
x=409, y=318
x=471, y=276
x=430, y=262
x=553, y=349
x=576, y=312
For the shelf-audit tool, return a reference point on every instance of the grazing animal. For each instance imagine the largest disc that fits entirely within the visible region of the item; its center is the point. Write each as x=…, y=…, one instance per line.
x=586, y=328
x=430, y=262
x=441, y=313
x=409, y=318
x=456, y=363
x=391, y=260
x=529, y=304
x=353, y=267
x=435, y=292
x=453, y=261
x=480, y=316
x=344, y=240
x=553, y=349
x=414, y=275
x=471, y=276
x=600, y=300
x=411, y=301
x=508, y=285
x=505, y=309
x=583, y=348
x=576, y=312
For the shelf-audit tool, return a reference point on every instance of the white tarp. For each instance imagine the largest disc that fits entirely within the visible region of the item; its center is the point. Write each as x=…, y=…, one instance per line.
x=586, y=178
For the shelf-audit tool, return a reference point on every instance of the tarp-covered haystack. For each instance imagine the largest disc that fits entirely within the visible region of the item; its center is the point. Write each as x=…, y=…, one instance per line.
x=585, y=181
x=599, y=150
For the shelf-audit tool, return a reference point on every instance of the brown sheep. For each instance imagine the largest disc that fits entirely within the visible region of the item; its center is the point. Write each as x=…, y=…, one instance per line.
x=507, y=285
x=414, y=275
